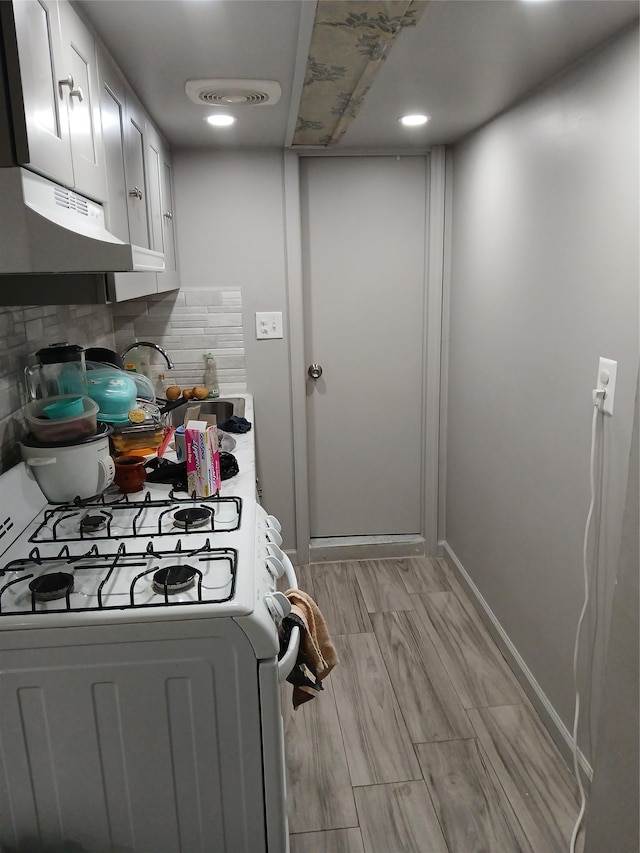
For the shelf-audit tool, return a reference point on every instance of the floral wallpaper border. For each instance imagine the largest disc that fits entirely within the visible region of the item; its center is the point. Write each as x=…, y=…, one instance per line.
x=349, y=43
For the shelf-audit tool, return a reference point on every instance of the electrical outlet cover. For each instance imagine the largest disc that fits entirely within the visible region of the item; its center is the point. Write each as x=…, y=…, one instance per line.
x=607, y=373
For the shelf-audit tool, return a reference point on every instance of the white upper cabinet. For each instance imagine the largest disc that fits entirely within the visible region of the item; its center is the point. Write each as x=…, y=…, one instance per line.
x=68, y=113
x=154, y=171
x=135, y=172
x=161, y=222
x=114, y=122
x=59, y=87
x=169, y=279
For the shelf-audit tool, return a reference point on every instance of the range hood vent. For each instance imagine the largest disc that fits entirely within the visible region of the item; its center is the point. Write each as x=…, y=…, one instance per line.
x=233, y=92
x=46, y=228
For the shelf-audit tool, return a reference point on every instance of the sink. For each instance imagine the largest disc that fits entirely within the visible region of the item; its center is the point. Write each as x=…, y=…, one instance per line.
x=222, y=408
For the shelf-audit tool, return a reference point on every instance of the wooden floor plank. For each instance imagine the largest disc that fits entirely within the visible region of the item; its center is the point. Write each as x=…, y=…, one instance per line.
x=473, y=810
x=375, y=736
x=430, y=706
x=357, y=731
x=422, y=574
x=399, y=818
x=471, y=658
x=318, y=784
x=382, y=587
x=338, y=596
x=536, y=780
x=333, y=841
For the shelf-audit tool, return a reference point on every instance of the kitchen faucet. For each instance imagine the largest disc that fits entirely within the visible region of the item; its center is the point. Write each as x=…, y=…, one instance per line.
x=157, y=347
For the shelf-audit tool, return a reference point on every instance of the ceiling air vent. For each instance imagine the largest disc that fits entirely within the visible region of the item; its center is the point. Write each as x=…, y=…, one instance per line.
x=233, y=93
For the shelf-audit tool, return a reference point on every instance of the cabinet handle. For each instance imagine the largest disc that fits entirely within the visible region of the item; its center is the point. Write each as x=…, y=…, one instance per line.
x=76, y=92
x=167, y=214
x=136, y=192
x=68, y=81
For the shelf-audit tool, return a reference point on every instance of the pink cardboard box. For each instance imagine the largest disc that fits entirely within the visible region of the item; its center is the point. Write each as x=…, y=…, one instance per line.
x=203, y=458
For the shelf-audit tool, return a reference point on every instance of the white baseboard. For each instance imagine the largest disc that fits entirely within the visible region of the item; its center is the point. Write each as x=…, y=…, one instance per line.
x=329, y=549
x=548, y=714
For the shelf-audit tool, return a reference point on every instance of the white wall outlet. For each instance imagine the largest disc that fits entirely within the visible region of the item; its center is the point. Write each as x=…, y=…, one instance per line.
x=607, y=371
x=268, y=324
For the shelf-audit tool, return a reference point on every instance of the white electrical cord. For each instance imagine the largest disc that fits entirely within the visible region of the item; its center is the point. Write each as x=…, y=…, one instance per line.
x=583, y=801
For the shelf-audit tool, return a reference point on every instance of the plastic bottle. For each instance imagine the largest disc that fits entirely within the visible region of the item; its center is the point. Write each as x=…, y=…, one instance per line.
x=210, y=379
x=160, y=389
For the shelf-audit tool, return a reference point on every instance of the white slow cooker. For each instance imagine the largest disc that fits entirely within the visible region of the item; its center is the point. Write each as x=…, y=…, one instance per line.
x=65, y=471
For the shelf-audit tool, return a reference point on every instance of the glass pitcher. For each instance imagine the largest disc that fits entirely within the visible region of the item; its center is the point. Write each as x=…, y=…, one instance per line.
x=60, y=370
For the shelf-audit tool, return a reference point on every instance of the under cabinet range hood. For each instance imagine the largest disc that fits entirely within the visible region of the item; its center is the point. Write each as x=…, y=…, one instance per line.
x=47, y=229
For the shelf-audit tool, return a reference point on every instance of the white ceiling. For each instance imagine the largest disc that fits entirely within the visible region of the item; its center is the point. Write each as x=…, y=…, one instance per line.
x=466, y=61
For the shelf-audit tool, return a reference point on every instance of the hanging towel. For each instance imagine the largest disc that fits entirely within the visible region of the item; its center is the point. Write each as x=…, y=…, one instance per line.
x=317, y=655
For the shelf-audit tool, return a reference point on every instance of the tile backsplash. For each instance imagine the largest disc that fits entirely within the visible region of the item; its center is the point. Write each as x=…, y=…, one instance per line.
x=187, y=323
x=25, y=330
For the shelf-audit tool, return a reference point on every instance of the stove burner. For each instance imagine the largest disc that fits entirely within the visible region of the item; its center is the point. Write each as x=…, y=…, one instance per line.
x=52, y=586
x=191, y=518
x=174, y=579
x=93, y=523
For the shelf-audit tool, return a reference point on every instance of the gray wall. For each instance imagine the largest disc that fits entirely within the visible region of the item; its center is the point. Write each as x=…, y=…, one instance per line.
x=230, y=215
x=544, y=280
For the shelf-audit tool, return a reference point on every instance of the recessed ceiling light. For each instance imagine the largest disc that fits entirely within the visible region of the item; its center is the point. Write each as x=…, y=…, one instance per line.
x=414, y=120
x=220, y=120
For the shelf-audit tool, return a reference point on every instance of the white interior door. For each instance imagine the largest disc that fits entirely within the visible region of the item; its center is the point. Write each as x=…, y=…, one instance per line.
x=363, y=236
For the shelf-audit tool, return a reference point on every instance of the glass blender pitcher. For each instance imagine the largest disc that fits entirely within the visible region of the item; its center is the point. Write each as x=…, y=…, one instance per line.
x=60, y=370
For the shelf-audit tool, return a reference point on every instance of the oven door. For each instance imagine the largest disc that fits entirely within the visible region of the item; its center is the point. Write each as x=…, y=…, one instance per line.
x=144, y=737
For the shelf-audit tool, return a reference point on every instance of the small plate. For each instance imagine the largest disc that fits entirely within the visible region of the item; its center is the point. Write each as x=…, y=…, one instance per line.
x=227, y=442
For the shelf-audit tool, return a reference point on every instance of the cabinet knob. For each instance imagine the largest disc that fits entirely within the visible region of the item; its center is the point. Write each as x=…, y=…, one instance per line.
x=168, y=215
x=136, y=192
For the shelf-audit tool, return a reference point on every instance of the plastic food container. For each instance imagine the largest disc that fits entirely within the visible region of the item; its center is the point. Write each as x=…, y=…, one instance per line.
x=114, y=392
x=147, y=435
x=137, y=437
x=68, y=428
x=64, y=408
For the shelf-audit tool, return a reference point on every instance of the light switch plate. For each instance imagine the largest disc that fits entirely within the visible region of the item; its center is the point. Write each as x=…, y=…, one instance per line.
x=268, y=324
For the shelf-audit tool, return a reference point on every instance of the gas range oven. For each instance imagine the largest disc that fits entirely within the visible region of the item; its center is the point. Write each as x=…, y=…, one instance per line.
x=139, y=673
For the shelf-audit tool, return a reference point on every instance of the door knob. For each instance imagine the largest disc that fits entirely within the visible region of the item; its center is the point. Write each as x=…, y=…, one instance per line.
x=315, y=371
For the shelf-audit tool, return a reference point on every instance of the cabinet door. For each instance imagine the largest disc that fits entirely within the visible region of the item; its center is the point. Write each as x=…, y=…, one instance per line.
x=44, y=82
x=154, y=172
x=169, y=279
x=113, y=118
x=83, y=101
x=135, y=172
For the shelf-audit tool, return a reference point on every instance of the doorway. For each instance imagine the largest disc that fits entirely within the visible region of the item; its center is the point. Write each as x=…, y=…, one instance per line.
x=364, y=262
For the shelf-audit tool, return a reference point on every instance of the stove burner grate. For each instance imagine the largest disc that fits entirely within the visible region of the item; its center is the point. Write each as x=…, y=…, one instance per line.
x=50, y=587
x=193, y=517
x=174, y=579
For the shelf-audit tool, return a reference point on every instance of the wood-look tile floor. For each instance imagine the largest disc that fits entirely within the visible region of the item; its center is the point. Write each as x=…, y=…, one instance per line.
x=422, y=740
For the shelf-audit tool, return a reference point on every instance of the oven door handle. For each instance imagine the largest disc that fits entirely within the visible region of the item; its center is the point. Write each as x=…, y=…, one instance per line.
x=288, y=660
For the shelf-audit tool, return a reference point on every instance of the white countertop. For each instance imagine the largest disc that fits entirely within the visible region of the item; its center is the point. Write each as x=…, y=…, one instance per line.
x=243, y=485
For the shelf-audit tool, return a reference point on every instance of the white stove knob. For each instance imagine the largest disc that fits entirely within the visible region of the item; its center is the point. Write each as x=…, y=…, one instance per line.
x=273, y=536
x=275, y=550
x=278, y=605
x=275, y=567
